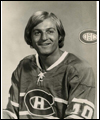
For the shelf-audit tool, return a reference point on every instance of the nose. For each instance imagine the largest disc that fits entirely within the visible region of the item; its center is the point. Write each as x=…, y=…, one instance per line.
x=44, y=36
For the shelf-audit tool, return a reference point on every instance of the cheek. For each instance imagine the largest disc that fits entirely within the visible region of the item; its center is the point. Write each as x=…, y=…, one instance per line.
x=57, y=35
x=55, y=38
x=35, y=39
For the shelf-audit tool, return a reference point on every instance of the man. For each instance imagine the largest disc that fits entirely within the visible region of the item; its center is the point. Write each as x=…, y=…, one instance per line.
x=53, y=84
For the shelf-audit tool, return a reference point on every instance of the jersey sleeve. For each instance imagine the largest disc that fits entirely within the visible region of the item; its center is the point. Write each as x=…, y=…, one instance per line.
x=81, y=93
x=12, y=108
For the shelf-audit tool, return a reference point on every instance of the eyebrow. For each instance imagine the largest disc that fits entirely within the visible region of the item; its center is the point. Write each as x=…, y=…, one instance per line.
x=42, y=29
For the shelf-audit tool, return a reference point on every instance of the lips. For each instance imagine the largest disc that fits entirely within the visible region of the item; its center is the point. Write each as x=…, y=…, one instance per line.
x=44, y=44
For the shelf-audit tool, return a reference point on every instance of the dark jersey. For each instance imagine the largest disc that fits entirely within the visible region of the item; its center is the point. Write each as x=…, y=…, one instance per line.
x=65, y=91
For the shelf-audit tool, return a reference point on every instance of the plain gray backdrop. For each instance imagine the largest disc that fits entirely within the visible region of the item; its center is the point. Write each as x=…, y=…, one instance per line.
x=76, y=16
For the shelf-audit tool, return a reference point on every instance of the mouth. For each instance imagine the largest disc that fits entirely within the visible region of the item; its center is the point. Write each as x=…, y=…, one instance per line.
x=44, y=44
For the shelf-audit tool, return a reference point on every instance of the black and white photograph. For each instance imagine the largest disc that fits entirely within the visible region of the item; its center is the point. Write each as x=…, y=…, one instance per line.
x=49, y=60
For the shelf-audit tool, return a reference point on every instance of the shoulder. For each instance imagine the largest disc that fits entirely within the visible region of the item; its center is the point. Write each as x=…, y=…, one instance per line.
x=78, y=66
x=80, y=69
x=28, y=59
x=27, y=63
x=77, y=62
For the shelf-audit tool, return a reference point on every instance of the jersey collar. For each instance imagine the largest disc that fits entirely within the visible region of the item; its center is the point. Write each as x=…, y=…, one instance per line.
x=55, y=63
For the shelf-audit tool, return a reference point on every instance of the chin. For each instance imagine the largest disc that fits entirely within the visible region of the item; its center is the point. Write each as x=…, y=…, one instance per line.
x=45, y=52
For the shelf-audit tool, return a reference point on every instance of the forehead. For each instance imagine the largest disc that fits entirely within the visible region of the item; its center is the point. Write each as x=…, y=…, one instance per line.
x=47, y=23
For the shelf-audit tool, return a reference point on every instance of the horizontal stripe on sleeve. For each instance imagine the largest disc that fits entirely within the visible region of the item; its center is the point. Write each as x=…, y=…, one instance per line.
x=22, y=94
x=61, y=100
x=83, y=101
x=14, y=104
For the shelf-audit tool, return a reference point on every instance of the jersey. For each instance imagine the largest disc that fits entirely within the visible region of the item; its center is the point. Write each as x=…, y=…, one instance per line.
x=65, y=91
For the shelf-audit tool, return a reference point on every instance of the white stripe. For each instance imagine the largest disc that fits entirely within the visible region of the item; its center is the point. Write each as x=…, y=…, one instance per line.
x=27, y=113
x=12, y=114
x=24, y=113
x=22, y=94
x=74, y=117
x=56, y=99
x=37, y=61
x=56, y=63
x=83, y=101
x=14, y=104
x=61, y=100
x=51, y=117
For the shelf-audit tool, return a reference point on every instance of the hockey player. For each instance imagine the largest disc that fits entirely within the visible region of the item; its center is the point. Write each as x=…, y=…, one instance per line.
x=52, y=84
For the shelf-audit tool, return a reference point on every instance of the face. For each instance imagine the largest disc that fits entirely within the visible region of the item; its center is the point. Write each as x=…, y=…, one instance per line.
x=45, y=37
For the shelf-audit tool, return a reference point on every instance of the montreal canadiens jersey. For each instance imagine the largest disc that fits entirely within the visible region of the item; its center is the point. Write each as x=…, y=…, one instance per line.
x=65, y=91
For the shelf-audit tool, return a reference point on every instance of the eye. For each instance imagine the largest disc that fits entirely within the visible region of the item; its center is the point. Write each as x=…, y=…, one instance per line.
x=36, y=33
x=50, y=31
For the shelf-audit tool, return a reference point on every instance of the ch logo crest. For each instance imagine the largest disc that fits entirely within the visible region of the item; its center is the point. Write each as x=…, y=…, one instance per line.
x=39, y=102
x=88, y=36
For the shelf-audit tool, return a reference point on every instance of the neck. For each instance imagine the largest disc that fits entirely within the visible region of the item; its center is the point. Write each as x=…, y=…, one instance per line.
x=47, y=60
